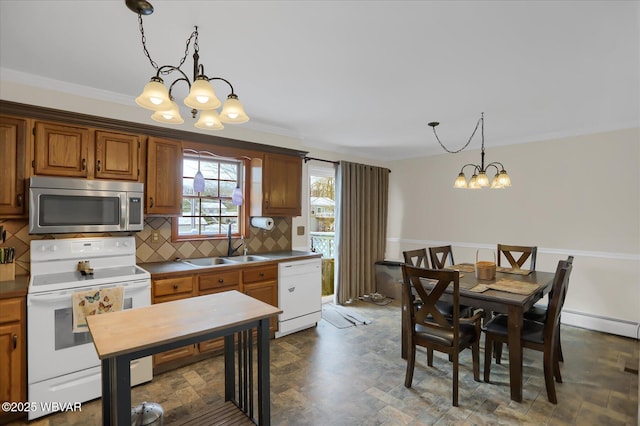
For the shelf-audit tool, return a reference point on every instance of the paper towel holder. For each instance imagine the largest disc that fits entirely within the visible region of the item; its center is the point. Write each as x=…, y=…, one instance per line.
x=265, y=223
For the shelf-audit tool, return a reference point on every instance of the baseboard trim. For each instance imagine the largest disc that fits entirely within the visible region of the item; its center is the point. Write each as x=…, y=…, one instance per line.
x=603, y=324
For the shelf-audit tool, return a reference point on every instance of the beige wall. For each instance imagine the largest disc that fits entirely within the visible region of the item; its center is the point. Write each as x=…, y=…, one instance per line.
x=546, y=206
x=577, y=196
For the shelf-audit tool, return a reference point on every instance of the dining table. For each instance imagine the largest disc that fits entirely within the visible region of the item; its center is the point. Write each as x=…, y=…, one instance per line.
x=122, y=336
x=512, y=292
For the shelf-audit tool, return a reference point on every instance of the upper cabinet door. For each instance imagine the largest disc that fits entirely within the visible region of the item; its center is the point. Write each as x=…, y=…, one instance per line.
x=62, y=150
x=282, y=185
x=12, y=167
x=164, y=177
x=117, y=156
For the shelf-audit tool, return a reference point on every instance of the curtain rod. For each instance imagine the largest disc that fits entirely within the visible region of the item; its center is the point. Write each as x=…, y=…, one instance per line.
x=326, y=161
x=320, y=159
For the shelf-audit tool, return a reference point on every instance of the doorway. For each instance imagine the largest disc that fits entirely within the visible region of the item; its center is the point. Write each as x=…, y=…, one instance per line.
x=322, y=222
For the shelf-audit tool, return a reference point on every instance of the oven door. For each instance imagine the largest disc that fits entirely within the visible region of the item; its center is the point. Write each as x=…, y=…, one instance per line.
x=53, y=348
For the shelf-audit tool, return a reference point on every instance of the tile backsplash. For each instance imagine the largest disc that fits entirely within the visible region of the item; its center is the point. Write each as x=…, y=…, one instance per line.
x=147, y=250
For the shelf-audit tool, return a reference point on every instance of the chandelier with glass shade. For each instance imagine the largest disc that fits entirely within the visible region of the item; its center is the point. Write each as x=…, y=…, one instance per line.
x=479, y=178
x=201, y=98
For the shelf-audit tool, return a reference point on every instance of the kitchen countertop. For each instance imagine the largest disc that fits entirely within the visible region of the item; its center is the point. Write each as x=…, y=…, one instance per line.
x=170, y=267
x=15, y=288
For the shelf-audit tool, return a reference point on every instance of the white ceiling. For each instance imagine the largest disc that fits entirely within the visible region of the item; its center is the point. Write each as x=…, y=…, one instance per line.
x=360, y=77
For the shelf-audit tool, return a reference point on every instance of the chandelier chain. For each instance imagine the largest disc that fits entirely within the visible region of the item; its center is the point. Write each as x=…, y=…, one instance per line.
x=465, y=145
x=194, y=35
x=144, y=43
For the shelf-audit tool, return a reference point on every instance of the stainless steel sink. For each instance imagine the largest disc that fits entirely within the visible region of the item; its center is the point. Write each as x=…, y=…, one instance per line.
x=244, y=259
x=208, y=261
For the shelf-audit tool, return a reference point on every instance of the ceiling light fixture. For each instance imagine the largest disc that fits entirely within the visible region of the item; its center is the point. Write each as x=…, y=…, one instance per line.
x=202, y=97
x=479, y=179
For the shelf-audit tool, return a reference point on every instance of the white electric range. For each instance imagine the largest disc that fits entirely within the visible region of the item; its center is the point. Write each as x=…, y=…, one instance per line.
x=62, y=365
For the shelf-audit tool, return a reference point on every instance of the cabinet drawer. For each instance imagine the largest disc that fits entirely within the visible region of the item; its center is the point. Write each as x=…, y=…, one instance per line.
x=174, y=354
x=219, y=279
x=11, y=310
x=262, y=273
x=170, y=286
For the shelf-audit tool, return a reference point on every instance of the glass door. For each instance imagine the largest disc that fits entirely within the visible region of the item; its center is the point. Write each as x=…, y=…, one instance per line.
x=322, y=220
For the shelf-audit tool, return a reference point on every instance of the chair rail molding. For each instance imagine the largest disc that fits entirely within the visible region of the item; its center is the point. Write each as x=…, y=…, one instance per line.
x=577, y=316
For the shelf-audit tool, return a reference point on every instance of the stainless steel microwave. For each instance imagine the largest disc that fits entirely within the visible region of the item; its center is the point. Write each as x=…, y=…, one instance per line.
x=64, y=205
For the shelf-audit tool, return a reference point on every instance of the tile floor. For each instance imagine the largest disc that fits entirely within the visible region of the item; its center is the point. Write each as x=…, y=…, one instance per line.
x=355, y=376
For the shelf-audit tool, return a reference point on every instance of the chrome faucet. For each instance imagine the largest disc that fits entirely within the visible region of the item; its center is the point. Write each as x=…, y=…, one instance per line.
x=230, y=249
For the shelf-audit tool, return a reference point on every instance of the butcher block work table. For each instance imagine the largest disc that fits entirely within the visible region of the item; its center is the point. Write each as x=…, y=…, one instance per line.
x=120, y=337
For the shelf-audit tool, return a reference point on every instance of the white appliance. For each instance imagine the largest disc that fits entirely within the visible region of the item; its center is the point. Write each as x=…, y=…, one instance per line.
x=62, y=365
x=63, y=205
x=299, y=295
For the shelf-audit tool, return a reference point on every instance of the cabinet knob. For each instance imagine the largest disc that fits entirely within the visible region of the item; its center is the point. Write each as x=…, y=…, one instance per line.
x=20, y=196
x=261, y=274
x=84, y=164
x=175, y=286
x=98, y=165
x=221, y=280
x=151, y=202
x=15, y=341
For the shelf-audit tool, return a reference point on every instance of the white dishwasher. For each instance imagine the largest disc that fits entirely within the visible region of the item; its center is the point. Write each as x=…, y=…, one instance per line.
x=299, y=295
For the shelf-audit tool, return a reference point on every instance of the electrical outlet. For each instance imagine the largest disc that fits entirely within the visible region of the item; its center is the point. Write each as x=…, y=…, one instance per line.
x=154, y=236
x=300, y=230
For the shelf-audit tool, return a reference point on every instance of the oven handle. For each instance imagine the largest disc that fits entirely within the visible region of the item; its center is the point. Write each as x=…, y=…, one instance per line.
x=48, y=298
x=138, y=284
x=58, y=297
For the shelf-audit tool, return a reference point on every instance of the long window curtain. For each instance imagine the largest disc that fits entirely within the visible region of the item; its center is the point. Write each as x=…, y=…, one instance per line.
x=361, y=228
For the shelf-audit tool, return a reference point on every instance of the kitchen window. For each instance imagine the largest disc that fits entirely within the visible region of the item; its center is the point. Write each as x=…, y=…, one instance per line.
x=209, y=213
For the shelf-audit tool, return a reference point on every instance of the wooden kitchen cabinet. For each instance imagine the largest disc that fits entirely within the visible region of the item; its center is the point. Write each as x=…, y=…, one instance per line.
x=62, y=150
x=72, y=151
x=261, y=282
x=164, y=177
x=165, y=290
x=13, y=146
x=217, y=282
x=276, y=185
x=117, y=156
x=13, y=371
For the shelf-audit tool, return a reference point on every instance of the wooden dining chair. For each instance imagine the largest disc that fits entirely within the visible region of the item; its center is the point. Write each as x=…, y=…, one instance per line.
x=540, y=314
x=524, y=253
x=430, y=329
x=535, y=335
x=419, y=259
x=439, y=256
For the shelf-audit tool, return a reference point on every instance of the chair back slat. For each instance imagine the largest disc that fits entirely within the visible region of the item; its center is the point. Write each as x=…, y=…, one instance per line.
x=439, y=256
x=525, y=252
x=416, y=258
x=427, y=313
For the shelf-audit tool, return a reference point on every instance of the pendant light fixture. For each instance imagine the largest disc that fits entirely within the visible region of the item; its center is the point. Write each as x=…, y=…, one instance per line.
x=479, y=179
x=198, y=179
x=201, y=98
x=236, y=197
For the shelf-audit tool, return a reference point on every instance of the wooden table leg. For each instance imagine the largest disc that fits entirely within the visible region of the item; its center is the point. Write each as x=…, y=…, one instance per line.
x=515, y=352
